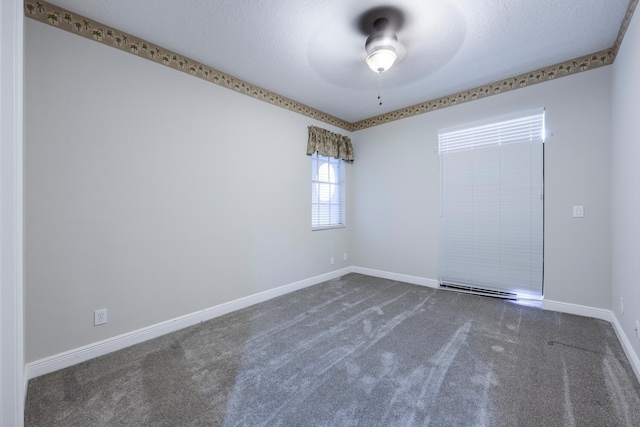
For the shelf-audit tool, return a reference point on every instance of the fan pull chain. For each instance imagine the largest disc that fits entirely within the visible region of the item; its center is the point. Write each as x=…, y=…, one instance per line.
x=379, y=99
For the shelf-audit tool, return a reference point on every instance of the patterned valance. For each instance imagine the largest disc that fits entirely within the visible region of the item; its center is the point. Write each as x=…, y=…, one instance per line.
x=329, y=144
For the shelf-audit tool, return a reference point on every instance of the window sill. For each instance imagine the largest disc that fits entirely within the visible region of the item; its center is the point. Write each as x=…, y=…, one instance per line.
x=328, y=227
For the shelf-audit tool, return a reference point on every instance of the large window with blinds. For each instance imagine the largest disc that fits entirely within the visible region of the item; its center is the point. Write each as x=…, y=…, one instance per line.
x=491, y=204
x=327, y=192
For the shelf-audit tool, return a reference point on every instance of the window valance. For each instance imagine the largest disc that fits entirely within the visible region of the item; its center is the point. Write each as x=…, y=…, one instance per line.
x=329, y=144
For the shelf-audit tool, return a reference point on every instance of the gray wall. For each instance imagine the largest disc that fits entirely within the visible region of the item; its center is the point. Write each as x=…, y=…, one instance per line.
x=625, y=183
x=154, y=194
x=395, y=178
x=146, y=192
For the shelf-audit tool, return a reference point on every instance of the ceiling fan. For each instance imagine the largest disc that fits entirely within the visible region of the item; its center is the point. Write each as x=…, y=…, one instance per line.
x=381, y=25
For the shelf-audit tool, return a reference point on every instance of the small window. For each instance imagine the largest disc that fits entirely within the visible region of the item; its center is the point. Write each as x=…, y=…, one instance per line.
x=327, y=192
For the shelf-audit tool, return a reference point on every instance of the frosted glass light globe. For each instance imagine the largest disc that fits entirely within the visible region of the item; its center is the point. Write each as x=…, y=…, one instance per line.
x=381, y=60
x=381, y=51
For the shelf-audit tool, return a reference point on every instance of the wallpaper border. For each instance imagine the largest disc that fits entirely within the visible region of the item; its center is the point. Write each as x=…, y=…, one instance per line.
x=562, y=69
x=625, y=25
x=77, y=24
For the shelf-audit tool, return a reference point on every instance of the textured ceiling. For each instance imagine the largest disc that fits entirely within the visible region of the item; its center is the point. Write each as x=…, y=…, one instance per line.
x=313, y=51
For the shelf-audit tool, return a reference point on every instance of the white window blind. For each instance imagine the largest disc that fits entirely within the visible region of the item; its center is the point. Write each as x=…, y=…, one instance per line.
x=491, y=195
x=327, y=192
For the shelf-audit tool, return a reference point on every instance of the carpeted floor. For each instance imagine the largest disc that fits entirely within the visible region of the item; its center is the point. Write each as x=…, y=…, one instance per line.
x=357, y=351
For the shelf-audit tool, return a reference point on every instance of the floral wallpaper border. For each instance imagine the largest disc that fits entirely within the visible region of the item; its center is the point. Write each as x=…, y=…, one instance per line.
x=58, y=17
x=79, y=25
x=566, y=68
x=625, y=25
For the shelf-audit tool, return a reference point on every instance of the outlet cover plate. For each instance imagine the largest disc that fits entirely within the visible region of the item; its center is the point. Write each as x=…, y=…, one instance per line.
x=578, y=211
x=100, y=317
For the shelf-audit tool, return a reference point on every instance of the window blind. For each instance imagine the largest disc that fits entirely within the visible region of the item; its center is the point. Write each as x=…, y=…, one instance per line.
x=327, y=192
x=491, y=195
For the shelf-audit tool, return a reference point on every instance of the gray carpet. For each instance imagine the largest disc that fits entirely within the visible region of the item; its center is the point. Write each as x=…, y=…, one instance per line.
x=356, y=351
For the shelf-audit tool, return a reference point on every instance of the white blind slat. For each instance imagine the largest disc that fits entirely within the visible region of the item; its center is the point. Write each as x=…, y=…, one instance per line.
x=516, y=130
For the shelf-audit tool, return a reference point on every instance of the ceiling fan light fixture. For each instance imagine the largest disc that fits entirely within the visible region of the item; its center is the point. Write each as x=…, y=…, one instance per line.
x=381, y=51
x=381, y=60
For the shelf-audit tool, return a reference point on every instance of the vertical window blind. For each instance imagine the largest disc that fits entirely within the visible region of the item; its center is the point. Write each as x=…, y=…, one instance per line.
x=491, y=200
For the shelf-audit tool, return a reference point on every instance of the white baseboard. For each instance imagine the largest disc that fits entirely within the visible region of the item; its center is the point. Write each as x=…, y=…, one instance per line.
x=601, y=314
x=626, y=345
x=414, y=280
x=78, y=355
x=580, y=310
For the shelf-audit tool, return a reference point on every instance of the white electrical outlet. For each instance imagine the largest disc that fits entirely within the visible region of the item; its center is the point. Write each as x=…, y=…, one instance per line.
x=621, y=305
x=578, y=211
x=332, y=260
x=100, y=317
x=344, y=256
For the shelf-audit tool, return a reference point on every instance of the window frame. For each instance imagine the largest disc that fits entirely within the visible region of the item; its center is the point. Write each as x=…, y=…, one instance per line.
x=317, y=160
